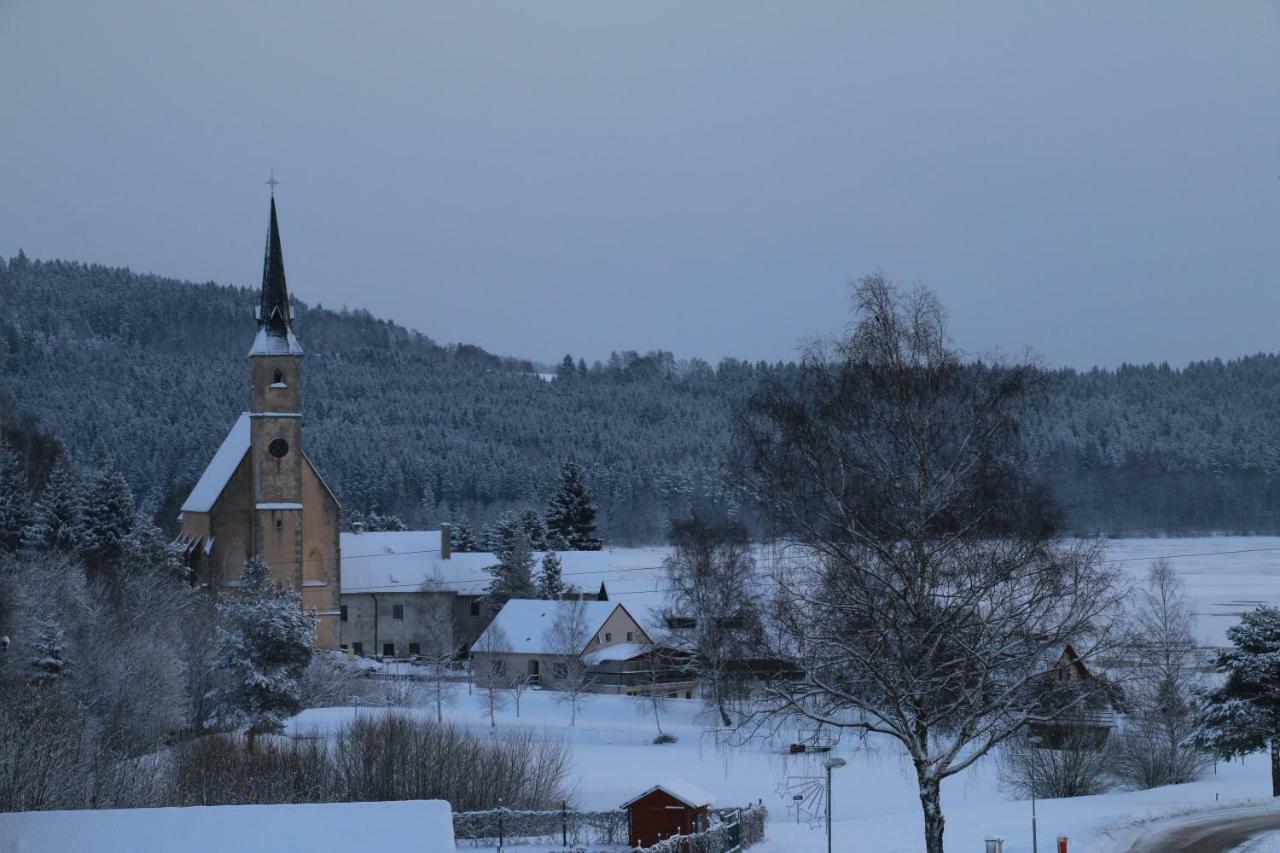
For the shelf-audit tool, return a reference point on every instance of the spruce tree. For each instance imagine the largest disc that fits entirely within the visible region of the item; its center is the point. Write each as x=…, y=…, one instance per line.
x=463, y=538
x=513, y=575
x=264, y=649
x=571, y=516
x=1243, y=715
x=550, y=580
x=49, y=663
x=59, y=513
x=109, y=517
x=15, y=499
x=535, y=529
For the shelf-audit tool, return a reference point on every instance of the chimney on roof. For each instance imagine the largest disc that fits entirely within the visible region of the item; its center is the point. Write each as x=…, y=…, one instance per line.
x=446, y=541
x=357, y=527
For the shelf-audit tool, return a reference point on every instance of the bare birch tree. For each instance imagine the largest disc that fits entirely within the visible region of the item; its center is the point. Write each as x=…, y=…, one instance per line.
x=439, y=648
x=1160, y=692
x=713, y=604
x=490, y=671
x=929, y=595
x=567, y=639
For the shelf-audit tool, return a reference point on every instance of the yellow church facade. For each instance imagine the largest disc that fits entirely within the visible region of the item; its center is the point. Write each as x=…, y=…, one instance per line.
x=260, y=494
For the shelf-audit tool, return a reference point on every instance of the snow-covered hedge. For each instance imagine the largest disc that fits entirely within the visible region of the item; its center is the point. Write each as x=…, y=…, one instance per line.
x=511, y=826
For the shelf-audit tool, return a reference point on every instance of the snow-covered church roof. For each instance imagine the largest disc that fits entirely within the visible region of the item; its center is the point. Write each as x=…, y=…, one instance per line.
x=221, y=467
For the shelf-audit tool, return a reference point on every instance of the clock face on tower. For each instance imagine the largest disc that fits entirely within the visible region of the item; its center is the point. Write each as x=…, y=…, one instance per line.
x=278, y=447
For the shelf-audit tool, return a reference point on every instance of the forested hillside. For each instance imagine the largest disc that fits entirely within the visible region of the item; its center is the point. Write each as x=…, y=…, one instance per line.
x=150, y=373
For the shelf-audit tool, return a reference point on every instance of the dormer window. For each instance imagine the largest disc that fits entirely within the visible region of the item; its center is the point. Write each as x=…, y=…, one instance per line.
x=277, y=379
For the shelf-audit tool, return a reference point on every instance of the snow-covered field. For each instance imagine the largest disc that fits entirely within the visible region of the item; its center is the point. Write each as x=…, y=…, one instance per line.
x=875, y=802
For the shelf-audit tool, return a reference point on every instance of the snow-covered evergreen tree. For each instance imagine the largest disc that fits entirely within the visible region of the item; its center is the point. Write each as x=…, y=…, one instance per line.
x=463, y=539
x=535, y=529
x=550, y=581
x=109, y=517
x=59, y=513
x=49, y=655
x=571, y=515
x=1243, y=715
x=15, y=499
x=513, y=575
x=265, y=647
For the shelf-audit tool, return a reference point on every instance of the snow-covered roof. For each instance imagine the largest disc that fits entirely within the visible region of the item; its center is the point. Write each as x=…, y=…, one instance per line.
x=294, y=828
x=616, y=652
x=526, y=621
x=221, y=467
x=409, y=560
x=686, y=792
x=269, y=342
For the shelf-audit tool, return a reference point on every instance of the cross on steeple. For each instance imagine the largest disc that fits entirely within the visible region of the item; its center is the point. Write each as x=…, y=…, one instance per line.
x=272, y=182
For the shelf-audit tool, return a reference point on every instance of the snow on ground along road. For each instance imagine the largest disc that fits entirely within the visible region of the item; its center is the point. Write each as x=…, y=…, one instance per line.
x=875, y=803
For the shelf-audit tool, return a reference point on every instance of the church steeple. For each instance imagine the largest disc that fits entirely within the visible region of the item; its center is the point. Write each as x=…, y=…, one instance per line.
x=274, y=313
x=275, y=326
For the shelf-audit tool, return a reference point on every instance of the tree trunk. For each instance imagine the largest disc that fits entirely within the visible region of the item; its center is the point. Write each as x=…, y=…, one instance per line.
x=931, y=802
x=1275, y=766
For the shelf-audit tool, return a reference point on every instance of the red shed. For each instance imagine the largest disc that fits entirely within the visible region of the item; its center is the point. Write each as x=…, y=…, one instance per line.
x=675, y=807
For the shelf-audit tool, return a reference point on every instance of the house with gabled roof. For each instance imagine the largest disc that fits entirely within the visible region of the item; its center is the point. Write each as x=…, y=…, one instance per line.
x=520, y=643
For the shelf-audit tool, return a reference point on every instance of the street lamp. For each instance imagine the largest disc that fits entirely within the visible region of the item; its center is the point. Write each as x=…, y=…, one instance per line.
x=831, y=764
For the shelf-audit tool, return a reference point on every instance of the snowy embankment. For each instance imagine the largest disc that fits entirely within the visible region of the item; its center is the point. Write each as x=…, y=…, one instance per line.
x=324, y=828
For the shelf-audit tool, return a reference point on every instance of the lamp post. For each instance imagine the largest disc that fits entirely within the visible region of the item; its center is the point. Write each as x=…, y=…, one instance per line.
x=831, y=764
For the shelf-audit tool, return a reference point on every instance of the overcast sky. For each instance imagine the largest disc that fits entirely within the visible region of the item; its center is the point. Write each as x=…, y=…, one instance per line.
x=1097, y=181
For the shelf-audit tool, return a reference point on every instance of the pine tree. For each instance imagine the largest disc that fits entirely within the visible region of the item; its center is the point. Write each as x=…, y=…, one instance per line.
x=264, y=647
x=463, y=540
x=59, y=513
x=109, y=517
x=15, y=499
x=1243, y=715
x=571, y=515
x=566, y=369
x=534, y=529
x=550, y=580
x=513, y=575
x=49, y=664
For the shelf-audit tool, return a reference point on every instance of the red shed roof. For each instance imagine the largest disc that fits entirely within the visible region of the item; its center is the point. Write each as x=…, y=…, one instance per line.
x=686, y=792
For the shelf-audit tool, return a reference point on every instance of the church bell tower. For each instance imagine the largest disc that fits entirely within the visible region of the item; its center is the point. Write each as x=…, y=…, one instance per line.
x=275, y=414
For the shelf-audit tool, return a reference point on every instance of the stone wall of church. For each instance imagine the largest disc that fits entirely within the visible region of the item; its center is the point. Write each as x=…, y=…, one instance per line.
x=321, y=576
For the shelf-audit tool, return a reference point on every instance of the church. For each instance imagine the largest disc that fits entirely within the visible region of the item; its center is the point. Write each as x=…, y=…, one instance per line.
x=261, y=494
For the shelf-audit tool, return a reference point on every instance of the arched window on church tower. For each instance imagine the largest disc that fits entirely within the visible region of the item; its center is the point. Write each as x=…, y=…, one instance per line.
x=278, y=378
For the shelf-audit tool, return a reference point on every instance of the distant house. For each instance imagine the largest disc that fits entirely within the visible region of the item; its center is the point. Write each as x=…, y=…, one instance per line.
x=1089, y=698
x=615, y=645
x=394, y=583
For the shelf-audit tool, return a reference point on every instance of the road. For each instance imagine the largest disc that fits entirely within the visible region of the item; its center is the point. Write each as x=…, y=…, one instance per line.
x=1214, y=832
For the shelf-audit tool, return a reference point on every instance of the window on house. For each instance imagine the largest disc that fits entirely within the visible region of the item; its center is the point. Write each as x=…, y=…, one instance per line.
x=414, y=649
x=397, y=611
x=279, y=524
x=278, y=377
x=358, y=648
x=608, y=638
x=342, y=613
x=475, y=608
x=561, y=670
x=628, y=636
x=388, y=650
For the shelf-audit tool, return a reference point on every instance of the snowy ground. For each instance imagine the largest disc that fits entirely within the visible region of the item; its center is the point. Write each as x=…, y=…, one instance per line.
x=875, y=802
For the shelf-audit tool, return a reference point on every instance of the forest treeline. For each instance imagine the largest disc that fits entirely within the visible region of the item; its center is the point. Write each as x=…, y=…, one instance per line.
x=149, y=373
